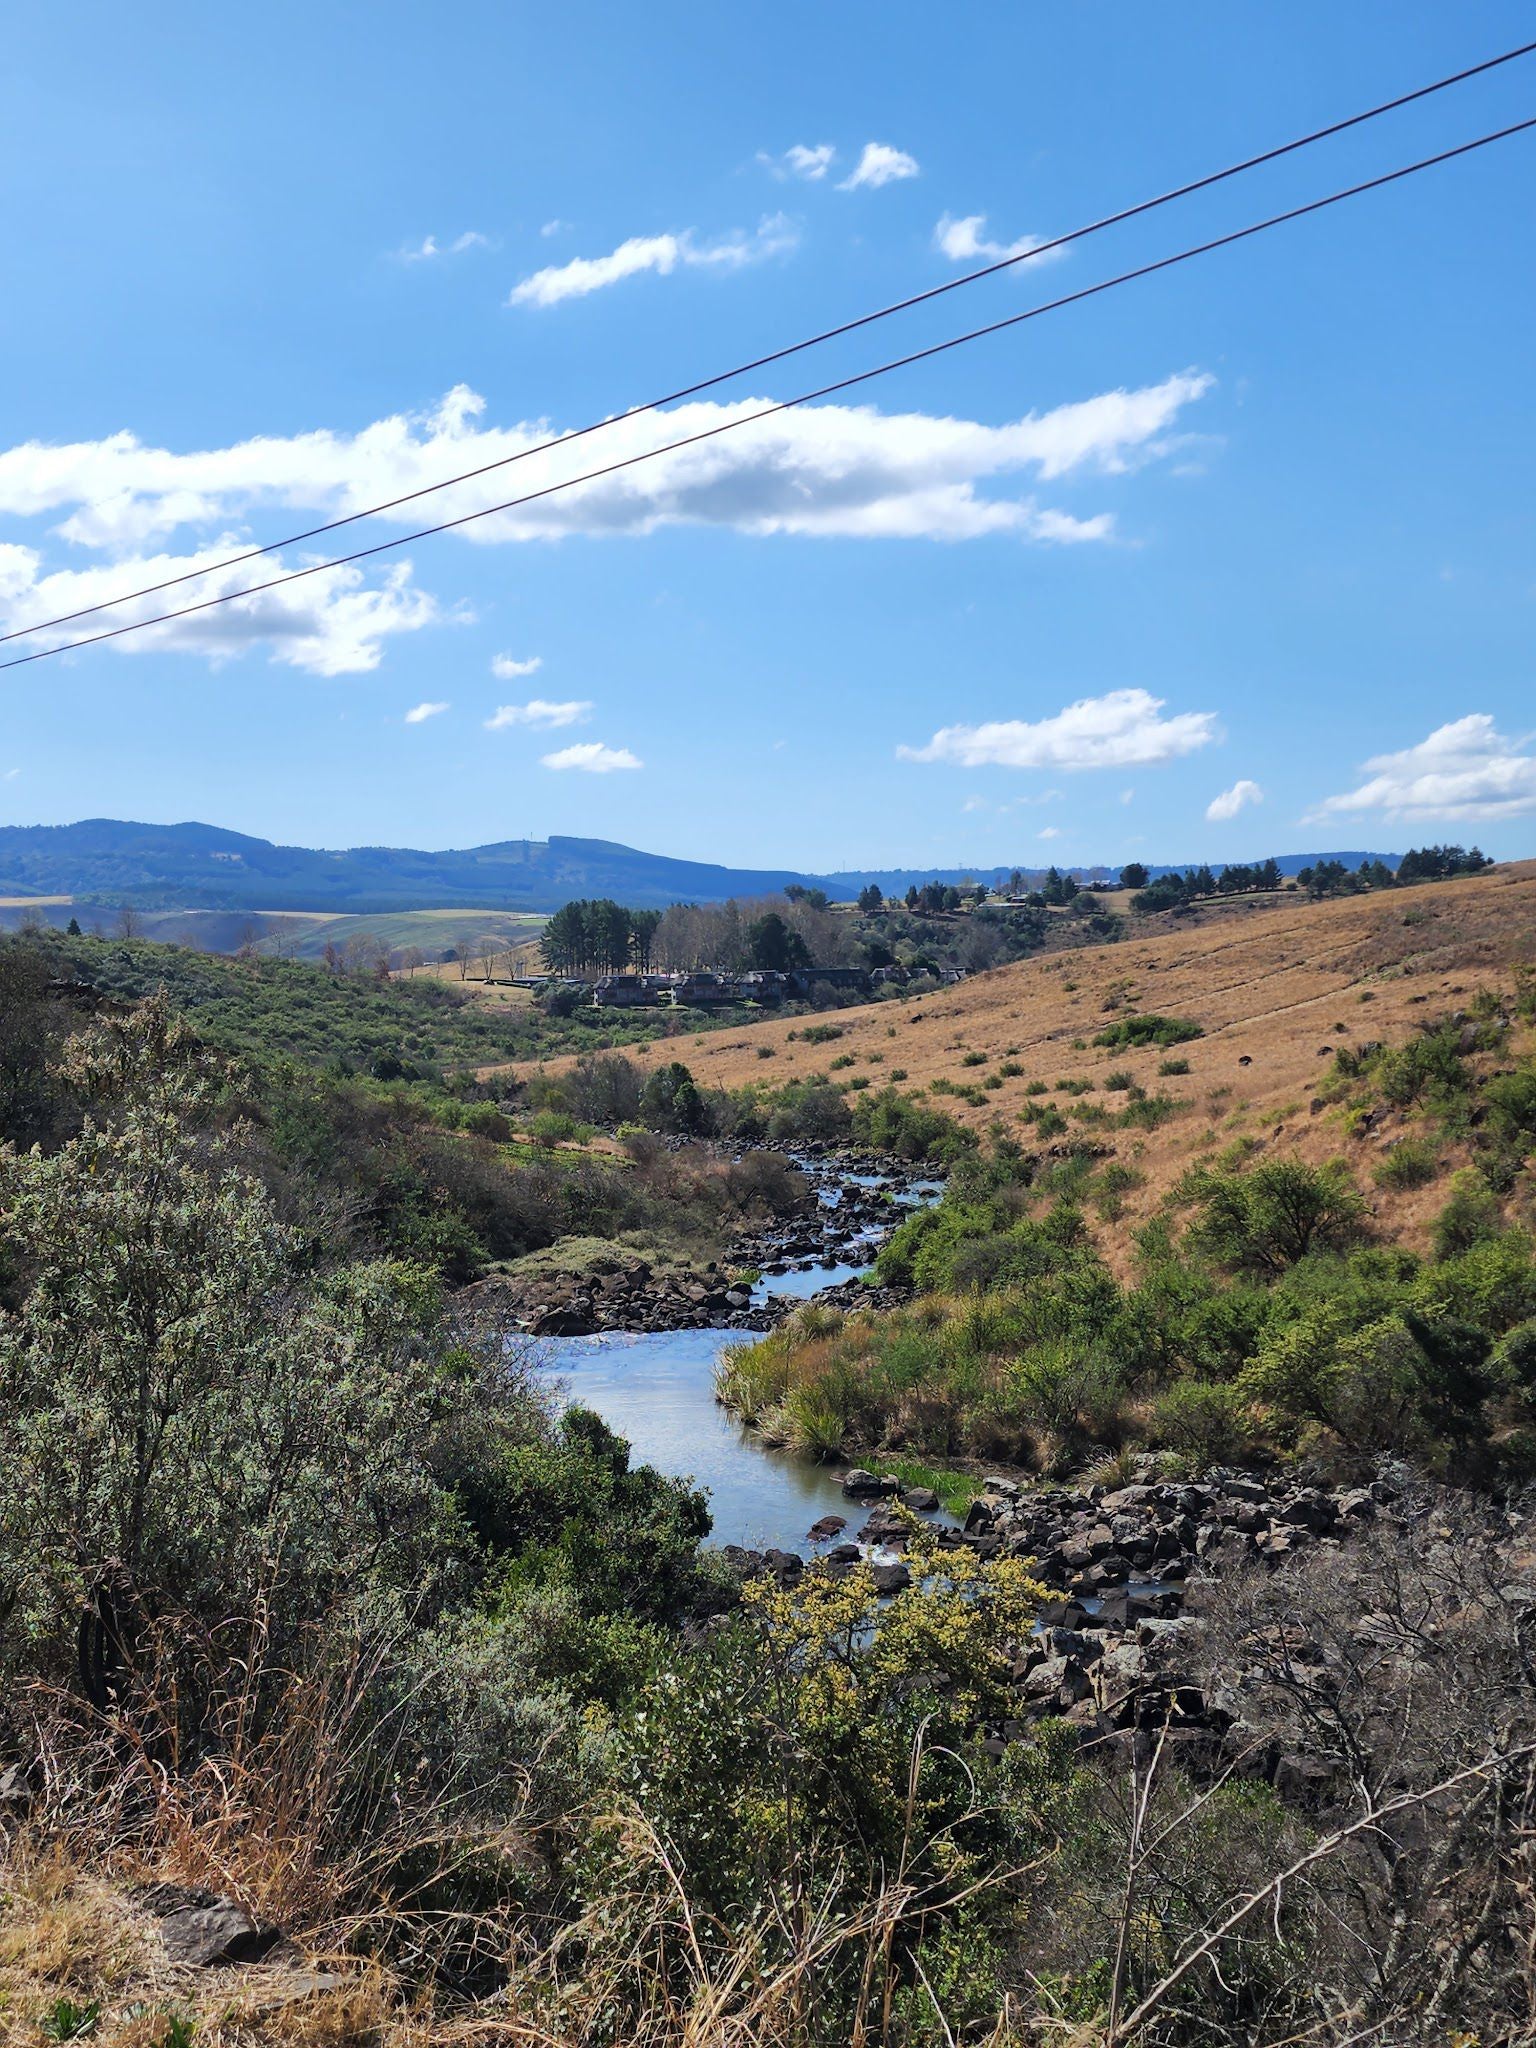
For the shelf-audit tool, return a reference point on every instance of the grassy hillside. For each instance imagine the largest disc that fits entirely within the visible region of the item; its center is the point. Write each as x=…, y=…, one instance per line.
x=1274, y=994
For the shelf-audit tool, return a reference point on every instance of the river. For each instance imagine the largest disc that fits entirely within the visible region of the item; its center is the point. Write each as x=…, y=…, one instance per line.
x=657, y=1390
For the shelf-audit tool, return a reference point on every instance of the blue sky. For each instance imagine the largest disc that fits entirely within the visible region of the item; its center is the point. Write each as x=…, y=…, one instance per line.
x=1255, y=536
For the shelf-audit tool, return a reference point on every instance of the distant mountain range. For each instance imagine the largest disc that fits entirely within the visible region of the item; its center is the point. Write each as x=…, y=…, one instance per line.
x=203, y=867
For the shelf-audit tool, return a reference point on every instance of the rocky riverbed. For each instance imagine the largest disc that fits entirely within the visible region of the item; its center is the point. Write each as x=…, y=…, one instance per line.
x=1135, y=1577
x=852, y=1205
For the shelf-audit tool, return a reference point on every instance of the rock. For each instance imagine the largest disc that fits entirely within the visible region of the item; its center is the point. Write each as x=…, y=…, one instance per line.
x=860, y=1484
x=980, y=1516
x=844, y=1553
x=890, y=1578
x=1005, y=1489
x=1237, y=1488
x=784, y=1563
x=573, y=1320
x=205, y=1929
x=828, y=1526
x=18, y=1794
x=921, y=1499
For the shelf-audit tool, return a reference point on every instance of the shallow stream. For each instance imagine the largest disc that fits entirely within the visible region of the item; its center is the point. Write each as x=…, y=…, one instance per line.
x=657, y=1390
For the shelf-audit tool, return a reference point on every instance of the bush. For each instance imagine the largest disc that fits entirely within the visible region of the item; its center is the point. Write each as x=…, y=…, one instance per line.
x=1410, y=1164
x=1266, y=1219
x=1148, y=1028
x=1471, y=1214
x=1207, y=1423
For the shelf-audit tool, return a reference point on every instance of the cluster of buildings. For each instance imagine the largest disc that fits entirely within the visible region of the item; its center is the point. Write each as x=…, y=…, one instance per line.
x=704, y=990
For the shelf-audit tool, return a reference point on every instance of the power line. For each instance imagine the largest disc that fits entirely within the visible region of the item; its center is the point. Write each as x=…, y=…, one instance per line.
x=937, y=348
x=780, y=355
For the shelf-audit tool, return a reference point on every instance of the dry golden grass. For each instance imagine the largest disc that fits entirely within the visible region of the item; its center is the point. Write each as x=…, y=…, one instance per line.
x=1272, y=986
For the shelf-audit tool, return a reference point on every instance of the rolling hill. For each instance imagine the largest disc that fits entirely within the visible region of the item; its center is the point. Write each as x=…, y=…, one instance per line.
x=1274, y=992
x=196, y=867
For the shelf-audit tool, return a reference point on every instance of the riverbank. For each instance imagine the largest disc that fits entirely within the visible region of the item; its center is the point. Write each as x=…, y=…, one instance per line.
x=848, y=1206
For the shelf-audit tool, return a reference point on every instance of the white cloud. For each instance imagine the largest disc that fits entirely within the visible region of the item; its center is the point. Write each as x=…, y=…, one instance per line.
x=1466, y=770
x=1124, y=728
x=554, y=227
x=333, y=623
x=420, y=713
x=879, y=165
x=810, y=161
x=1127, y=796
x=431, y=247
x=966, y=241
x=827, y=469
x=10, y=775
x=1049, y=832
x=592, y=758
x=821, y=471
x=541, y=714
x=774, y=235
x=1232, y=800
x=505, y=666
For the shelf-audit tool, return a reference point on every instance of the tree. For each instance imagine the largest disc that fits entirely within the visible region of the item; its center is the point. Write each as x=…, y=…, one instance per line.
x=870, y=898
x=72, y=929
x=643, y=925
x=773, y=946
x=563, y=943
x=1268, y=1218
x=670, y=1101
x=127, y=924
x=911, y=898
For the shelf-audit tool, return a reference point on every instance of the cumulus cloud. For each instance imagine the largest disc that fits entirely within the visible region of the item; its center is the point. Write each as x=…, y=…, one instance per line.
x=821, y=471
x=425, y=251
x=828, y=469
x=540, y=713
x=592, y=758
x=1466, y=770
x=1121, y=729
x=810, y=161
x=775, y=235
x=332, y=623
x=1232, y=800
x=420, y=713
x=967, y=241
x=879, y=165
x=508, y=668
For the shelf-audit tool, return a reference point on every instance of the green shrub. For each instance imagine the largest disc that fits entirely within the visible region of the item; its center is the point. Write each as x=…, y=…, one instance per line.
x=1170, y=1067
x=1148, y=1028
x=1209, y=1423
x=1410, y=1164
x=1470, y=1215
x=1267, y=1218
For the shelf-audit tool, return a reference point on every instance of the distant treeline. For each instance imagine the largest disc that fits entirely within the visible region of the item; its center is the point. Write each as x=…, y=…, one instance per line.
x=1325, y=878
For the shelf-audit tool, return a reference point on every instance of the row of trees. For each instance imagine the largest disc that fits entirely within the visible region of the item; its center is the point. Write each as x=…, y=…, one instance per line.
x=595, y=935
x=797, y=929
x=1418, y=864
